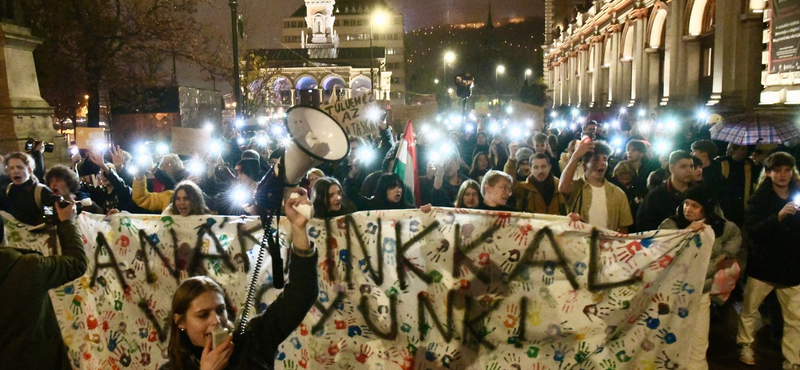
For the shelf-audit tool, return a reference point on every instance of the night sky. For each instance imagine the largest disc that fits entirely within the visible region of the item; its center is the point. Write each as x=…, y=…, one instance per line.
x=264, y=19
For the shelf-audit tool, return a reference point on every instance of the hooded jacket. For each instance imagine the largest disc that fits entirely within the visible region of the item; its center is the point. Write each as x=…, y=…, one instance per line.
x=773, y=255
x=30, y=337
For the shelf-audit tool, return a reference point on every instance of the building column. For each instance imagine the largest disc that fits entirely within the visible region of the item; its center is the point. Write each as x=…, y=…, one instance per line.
x=626, y=76
x=614, y=71
x=653, y=78
x=584, y=95
x=596, y=84
x=294, y=98
x=638, y=82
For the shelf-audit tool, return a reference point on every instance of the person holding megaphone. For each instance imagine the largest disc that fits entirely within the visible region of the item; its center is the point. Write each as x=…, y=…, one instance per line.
x=200, y=311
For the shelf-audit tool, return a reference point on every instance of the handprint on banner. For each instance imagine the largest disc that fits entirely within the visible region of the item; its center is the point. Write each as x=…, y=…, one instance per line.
x=608, y=364
x=521, y=237
x=582, y=353
x=512, y=258
x=666, y=363
x=569, y=297
x=549, y=270
x=303, y=362
x=606, y=251
x=666, y=336
x=544, y=294
x=144, y=354
x=662, y=263
x=627, y=252
x=503, y=219
x=560, y=351
x=436, y=254
x=512, y=316
x=364, y=354
x=407, y=360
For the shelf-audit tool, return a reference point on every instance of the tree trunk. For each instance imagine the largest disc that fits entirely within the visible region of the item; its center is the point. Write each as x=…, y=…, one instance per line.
x=93, y=89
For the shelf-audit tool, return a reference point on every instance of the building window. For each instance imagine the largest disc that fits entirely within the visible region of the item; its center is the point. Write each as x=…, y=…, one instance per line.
x=286, y=24
x=336, y=23
x=394, y=51
x=347, y=23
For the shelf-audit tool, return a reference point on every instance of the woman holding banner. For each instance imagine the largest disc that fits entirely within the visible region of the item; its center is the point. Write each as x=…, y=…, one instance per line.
x=696, y=213
x=200, y=308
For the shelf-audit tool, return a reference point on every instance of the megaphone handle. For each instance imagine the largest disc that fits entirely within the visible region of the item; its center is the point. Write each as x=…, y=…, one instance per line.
x=275, y=255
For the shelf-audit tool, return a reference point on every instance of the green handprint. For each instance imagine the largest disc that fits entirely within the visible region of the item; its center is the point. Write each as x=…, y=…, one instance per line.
x=582, y=353
x=608, y=364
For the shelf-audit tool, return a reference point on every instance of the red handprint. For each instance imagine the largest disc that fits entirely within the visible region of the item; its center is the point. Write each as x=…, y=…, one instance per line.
x=408, y=360
x=522, y=236
x=366, y=353
x=503, y=218
x=303, y=359
x=334, y=348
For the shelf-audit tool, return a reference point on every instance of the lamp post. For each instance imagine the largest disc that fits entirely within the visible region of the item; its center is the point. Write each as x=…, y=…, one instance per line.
x=449, y=57
x=237, y=88
x=380, y=18
x=499, y=70
x=528, y=72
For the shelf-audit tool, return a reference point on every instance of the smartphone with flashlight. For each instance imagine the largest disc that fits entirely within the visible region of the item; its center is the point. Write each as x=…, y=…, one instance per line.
x=796, y=200
x=218, y=336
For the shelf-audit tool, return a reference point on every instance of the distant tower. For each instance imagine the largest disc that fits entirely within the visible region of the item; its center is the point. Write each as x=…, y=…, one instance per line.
x=320, y=20
x=489, y=23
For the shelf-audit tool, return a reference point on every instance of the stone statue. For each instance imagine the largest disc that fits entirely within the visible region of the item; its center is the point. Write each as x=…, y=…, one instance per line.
x=11, y=12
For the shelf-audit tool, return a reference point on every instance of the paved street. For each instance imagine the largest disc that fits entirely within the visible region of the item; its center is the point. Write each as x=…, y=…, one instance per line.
x=722, y=344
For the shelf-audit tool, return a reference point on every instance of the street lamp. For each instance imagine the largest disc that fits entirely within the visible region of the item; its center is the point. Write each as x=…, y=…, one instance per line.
x=499, y=70
x=528, y=72
x=237, y=88
x=379, y=18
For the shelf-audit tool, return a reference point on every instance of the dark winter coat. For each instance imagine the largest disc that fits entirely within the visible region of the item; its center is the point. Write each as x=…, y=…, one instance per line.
x=773, y=255
x=30, y=337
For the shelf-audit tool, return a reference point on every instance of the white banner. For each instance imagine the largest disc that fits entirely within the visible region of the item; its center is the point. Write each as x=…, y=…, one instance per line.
x=450, y=289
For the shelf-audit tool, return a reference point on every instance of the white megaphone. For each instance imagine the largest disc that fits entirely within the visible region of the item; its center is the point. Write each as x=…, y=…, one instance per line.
x=315, y=137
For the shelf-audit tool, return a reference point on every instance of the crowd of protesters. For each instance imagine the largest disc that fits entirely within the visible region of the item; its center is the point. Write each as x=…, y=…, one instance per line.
x=618, y=178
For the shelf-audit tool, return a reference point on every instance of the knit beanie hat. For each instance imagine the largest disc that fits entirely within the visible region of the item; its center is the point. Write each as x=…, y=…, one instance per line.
x=523, y=154
x=703, y=195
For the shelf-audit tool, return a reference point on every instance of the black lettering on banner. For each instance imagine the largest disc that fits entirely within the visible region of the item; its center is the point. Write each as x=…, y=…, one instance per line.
x=198, y=256
x=424, y=303
x=243, y=235
x=402, y=262
x=103, y=244
x=460, y=254
x=162, y=331
x=330, y=259
x=346, y=117
x=527, y=257
x=523, y=304
x=594, y=267
x=469, y=324
x=326, y=312
x=364, y=308
x=350, y=224
x=143, y=241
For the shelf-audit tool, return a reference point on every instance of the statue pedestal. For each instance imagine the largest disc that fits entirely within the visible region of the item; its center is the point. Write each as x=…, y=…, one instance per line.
x=23, y=112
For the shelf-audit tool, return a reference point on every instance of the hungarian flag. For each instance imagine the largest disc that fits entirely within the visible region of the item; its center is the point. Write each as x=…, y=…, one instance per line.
x=405, y=165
